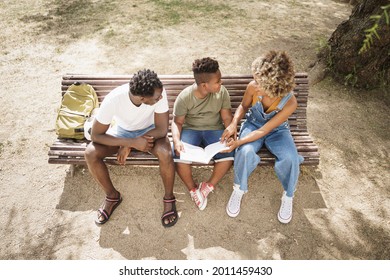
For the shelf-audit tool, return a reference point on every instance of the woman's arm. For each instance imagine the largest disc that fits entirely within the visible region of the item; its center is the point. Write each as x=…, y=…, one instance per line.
x=277, y=120
x=231, y=129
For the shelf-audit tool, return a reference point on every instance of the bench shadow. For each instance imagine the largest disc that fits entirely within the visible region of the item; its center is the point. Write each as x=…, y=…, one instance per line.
x=135, y=229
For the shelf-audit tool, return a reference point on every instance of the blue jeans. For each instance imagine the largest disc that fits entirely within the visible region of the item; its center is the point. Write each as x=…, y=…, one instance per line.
x=280, y=143
x=203, y=138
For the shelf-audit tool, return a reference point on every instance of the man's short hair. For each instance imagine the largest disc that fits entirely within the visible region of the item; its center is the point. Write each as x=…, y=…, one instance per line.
x=202, y=68
x=144, y=82
x=274, y=73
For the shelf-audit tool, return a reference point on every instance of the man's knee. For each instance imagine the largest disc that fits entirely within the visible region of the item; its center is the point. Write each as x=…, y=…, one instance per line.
x=90, y=153
x=93, y=153
x=163, y=150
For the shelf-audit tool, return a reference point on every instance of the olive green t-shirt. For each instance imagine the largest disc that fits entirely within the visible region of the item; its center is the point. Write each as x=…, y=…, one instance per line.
x=201, y=114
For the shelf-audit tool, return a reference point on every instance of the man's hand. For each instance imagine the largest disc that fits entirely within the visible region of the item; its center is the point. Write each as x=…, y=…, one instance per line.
x=143, y=143
x=122, y=155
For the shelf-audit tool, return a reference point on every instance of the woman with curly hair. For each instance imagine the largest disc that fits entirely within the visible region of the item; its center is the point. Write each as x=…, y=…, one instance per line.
x=267, y=103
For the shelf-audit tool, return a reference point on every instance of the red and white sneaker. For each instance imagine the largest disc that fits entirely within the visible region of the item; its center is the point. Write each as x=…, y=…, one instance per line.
x=205, y=189
x=198, y=198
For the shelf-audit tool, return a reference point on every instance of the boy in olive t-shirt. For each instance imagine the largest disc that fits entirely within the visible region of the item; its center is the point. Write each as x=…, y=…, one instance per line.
x=201, y=112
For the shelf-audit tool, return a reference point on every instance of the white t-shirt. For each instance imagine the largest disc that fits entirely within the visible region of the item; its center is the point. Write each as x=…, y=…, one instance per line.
x=118, y=106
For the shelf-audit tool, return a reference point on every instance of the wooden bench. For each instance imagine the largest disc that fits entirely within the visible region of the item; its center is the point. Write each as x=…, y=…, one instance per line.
x=72, y=152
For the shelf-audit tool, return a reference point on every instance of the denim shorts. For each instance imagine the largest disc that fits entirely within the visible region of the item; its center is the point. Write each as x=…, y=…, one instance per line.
x=202, y=138
x=123, y=133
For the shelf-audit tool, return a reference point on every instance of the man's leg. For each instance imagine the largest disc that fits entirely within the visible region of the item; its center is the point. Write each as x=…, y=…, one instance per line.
x=94, y=155
x=162, y=150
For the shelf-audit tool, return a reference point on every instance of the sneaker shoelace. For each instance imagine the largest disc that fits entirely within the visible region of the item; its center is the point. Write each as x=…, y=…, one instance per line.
x=195, y=198
x=205, y=189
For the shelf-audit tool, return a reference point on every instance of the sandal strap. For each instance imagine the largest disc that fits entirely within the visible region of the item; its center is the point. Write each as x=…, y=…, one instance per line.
x=170, y=200
x=168, y=214
x=109, y=199
x=104, y=213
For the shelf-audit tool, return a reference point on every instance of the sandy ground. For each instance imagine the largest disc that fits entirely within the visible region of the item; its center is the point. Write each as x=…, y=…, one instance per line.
x=342, y=208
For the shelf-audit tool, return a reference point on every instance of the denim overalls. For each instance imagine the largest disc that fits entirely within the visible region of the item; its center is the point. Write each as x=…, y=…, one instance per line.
x=279, y=142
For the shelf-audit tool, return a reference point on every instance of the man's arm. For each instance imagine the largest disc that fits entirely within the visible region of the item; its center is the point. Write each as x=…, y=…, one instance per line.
x=161, y=124
x=100, y=136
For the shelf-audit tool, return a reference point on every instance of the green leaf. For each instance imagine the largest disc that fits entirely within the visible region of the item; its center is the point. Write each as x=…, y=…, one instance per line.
x=387, y=17
x=377, y=17
x=376, y=34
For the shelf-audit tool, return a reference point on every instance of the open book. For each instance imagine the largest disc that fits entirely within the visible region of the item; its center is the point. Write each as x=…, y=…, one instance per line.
x=202, y=155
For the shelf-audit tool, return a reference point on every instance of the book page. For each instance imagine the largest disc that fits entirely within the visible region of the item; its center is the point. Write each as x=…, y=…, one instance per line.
x=193, y=153
x=198, y=154
x=215, y=148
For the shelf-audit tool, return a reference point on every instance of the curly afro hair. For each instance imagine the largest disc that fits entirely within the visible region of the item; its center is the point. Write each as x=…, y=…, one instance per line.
x=274, y=73
x=203, y=67
x=144, y=82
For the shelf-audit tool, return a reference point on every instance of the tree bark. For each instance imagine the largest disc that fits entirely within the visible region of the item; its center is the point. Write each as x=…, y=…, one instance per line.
x=369, y=69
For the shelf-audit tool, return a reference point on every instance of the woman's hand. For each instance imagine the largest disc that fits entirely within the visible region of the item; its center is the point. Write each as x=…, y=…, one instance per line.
x=232, y=144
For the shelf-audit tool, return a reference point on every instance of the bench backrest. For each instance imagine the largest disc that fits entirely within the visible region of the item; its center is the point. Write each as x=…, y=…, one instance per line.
x=174, y=84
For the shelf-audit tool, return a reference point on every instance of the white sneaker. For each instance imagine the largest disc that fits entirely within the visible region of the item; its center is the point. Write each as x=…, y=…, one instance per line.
x=198, y=198
x=234, y=204
x=286, y=208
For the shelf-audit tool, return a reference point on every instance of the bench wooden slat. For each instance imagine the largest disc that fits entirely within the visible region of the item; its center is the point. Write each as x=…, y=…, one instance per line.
x=64, y=151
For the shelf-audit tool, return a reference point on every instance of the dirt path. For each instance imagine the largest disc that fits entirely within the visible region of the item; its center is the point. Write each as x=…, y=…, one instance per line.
x=342, y=209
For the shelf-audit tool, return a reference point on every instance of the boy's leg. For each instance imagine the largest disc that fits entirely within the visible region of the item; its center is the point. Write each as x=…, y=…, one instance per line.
x=219, y=170
x=184, y=170
x=223, y=161
x=185, y=173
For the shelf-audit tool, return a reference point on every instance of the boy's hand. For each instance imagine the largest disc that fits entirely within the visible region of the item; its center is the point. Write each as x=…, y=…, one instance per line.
x=178, y=147
x=230, y=131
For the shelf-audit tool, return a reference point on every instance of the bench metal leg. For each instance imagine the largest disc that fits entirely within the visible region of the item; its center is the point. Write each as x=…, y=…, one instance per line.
x=72, y=169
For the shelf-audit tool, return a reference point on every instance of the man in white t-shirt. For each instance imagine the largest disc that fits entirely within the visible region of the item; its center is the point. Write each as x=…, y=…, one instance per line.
x=140, y=111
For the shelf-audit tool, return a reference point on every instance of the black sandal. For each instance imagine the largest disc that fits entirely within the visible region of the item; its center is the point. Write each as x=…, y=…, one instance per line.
x=104, y=213
x=170, y=213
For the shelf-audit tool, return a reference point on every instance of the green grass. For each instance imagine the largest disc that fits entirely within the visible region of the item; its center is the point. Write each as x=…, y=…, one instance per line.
x=73, y=18
x=177, y=11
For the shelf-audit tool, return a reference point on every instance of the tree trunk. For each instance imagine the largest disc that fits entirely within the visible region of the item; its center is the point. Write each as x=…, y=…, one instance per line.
x=371, y=68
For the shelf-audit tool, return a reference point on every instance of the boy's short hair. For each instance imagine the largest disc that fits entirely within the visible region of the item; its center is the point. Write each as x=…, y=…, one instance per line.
x=274, y=73
x=202, y=68
x=144, y=82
